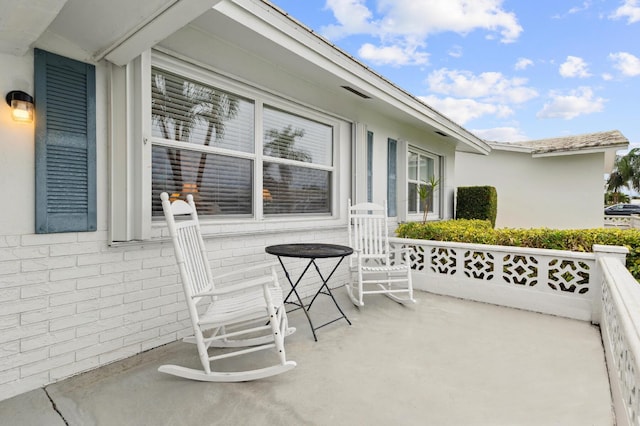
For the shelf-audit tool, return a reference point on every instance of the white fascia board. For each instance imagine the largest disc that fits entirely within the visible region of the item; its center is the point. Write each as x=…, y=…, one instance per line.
x=154, y=29
x=297, y=38
x=510, y=147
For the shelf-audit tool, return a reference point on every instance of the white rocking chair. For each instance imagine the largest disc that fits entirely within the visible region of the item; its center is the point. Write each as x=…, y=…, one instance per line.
x=248, y=315
x=373, y=271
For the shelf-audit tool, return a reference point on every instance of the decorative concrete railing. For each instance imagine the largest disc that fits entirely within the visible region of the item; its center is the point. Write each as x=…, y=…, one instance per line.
x=620, y=328
x=623, y=222
x=594, y=287
x=549, y=281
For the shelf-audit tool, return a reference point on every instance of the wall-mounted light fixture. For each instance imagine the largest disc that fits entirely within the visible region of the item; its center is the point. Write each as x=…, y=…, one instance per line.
x=21, y=105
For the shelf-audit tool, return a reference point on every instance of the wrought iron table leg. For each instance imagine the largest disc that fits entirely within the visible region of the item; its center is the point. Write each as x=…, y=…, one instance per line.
x=329, y=292
x=293, y=290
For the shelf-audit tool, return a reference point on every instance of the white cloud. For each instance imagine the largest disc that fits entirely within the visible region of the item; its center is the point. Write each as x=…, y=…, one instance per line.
x=626, y=63
x=489, y=86
x=574, y=104
x=420, y=19
x=629, y=10
x=576, y=9
x=607, y=77
x=464, y=110
x=501, y=134
x=353, y=17
x=523, y=63
x=455, y=51
x=407, y=24
x=392, y=55
x=574, y=67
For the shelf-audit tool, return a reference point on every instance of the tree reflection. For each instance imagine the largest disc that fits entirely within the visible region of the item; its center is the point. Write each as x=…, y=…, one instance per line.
x=179, y=107
x=281, y=145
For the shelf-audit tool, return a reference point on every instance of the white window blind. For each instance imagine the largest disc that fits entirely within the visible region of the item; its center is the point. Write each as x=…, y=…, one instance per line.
x=204, y=143
x=298, y=164
x=192, y=122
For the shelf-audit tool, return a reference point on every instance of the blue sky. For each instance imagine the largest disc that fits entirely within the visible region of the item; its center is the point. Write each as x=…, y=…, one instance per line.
x=506, y=70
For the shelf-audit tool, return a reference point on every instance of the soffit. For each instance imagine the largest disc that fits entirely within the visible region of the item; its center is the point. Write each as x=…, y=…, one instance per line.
x=118, y=30
x=22, y=22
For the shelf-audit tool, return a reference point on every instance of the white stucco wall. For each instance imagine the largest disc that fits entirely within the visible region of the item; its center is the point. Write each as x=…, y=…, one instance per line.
x=562, y=192
x=16, y=148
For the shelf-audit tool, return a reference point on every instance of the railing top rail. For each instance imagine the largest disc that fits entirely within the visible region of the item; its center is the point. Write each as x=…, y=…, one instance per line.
x=488, y=247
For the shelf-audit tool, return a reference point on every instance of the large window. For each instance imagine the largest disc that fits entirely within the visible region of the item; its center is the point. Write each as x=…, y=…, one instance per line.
x=423, y=170
x=206, y=142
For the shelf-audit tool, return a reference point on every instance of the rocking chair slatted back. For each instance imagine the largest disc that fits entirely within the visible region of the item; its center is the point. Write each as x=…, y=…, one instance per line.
x=190, y=251
x=373, y=268
x=195, y=260
x=368, y=231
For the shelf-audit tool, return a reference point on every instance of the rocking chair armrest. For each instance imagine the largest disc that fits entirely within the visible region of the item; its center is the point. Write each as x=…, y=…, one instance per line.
x=247, y=269
x=234, y=288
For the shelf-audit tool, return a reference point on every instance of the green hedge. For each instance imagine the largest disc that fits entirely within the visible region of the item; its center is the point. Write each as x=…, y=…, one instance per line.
x=477, y=202
x=482, y=232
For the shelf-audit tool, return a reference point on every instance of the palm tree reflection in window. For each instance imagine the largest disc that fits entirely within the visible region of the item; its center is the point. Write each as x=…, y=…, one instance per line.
x=185, y=111
x=279, y=178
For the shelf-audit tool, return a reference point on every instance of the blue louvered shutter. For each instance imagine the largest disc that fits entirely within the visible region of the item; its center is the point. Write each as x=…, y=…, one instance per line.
x=392, y=177
x=65, y=150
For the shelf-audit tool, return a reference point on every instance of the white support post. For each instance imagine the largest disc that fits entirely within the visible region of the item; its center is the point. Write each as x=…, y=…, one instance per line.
x=601, y=251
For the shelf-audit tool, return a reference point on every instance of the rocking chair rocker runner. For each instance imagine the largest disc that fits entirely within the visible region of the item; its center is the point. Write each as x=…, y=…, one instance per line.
x=237, y=313
x=373, y=268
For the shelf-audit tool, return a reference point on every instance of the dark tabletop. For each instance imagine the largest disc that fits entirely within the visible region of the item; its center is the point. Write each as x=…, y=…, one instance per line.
x=309, y=250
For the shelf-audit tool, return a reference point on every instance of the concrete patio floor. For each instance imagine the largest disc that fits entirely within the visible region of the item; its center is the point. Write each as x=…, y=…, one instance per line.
x=443, y=361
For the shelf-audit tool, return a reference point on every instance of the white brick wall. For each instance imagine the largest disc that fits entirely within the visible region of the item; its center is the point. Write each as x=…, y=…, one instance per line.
x=70, y=303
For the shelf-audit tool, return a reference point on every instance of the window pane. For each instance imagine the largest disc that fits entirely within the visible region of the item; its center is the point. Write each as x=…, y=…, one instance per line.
x=188, y=111
x=429, y=169
x=392, y=178
x=221, y=185
x=291, y=189
x=424, y=175
x=412, y=200
x=296, y=138
x=413, y=166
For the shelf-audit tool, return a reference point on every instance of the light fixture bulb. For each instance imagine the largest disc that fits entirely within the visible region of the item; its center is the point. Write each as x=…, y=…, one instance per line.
x=21, y=106
x=21, y=111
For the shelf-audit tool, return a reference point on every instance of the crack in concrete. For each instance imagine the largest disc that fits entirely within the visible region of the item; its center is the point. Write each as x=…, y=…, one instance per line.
x=53, y=405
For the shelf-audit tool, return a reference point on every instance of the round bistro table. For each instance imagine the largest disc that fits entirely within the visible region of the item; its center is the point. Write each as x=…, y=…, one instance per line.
x=311, y=251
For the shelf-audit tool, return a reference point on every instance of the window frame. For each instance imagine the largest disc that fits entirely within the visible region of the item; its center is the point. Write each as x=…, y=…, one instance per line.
x=261, y=100
x=130, y=160
x=438, y=173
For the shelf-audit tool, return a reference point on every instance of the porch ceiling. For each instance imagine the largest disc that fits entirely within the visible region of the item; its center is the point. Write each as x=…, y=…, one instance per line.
x=96, y=26
x=21, y=23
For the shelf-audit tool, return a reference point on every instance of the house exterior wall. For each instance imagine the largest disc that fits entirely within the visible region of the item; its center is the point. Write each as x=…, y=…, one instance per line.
x=71, y=302
x=561, y=192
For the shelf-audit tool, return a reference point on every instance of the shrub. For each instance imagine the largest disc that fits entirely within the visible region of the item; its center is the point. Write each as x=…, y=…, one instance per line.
x=477, y=202
x=481, y=232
